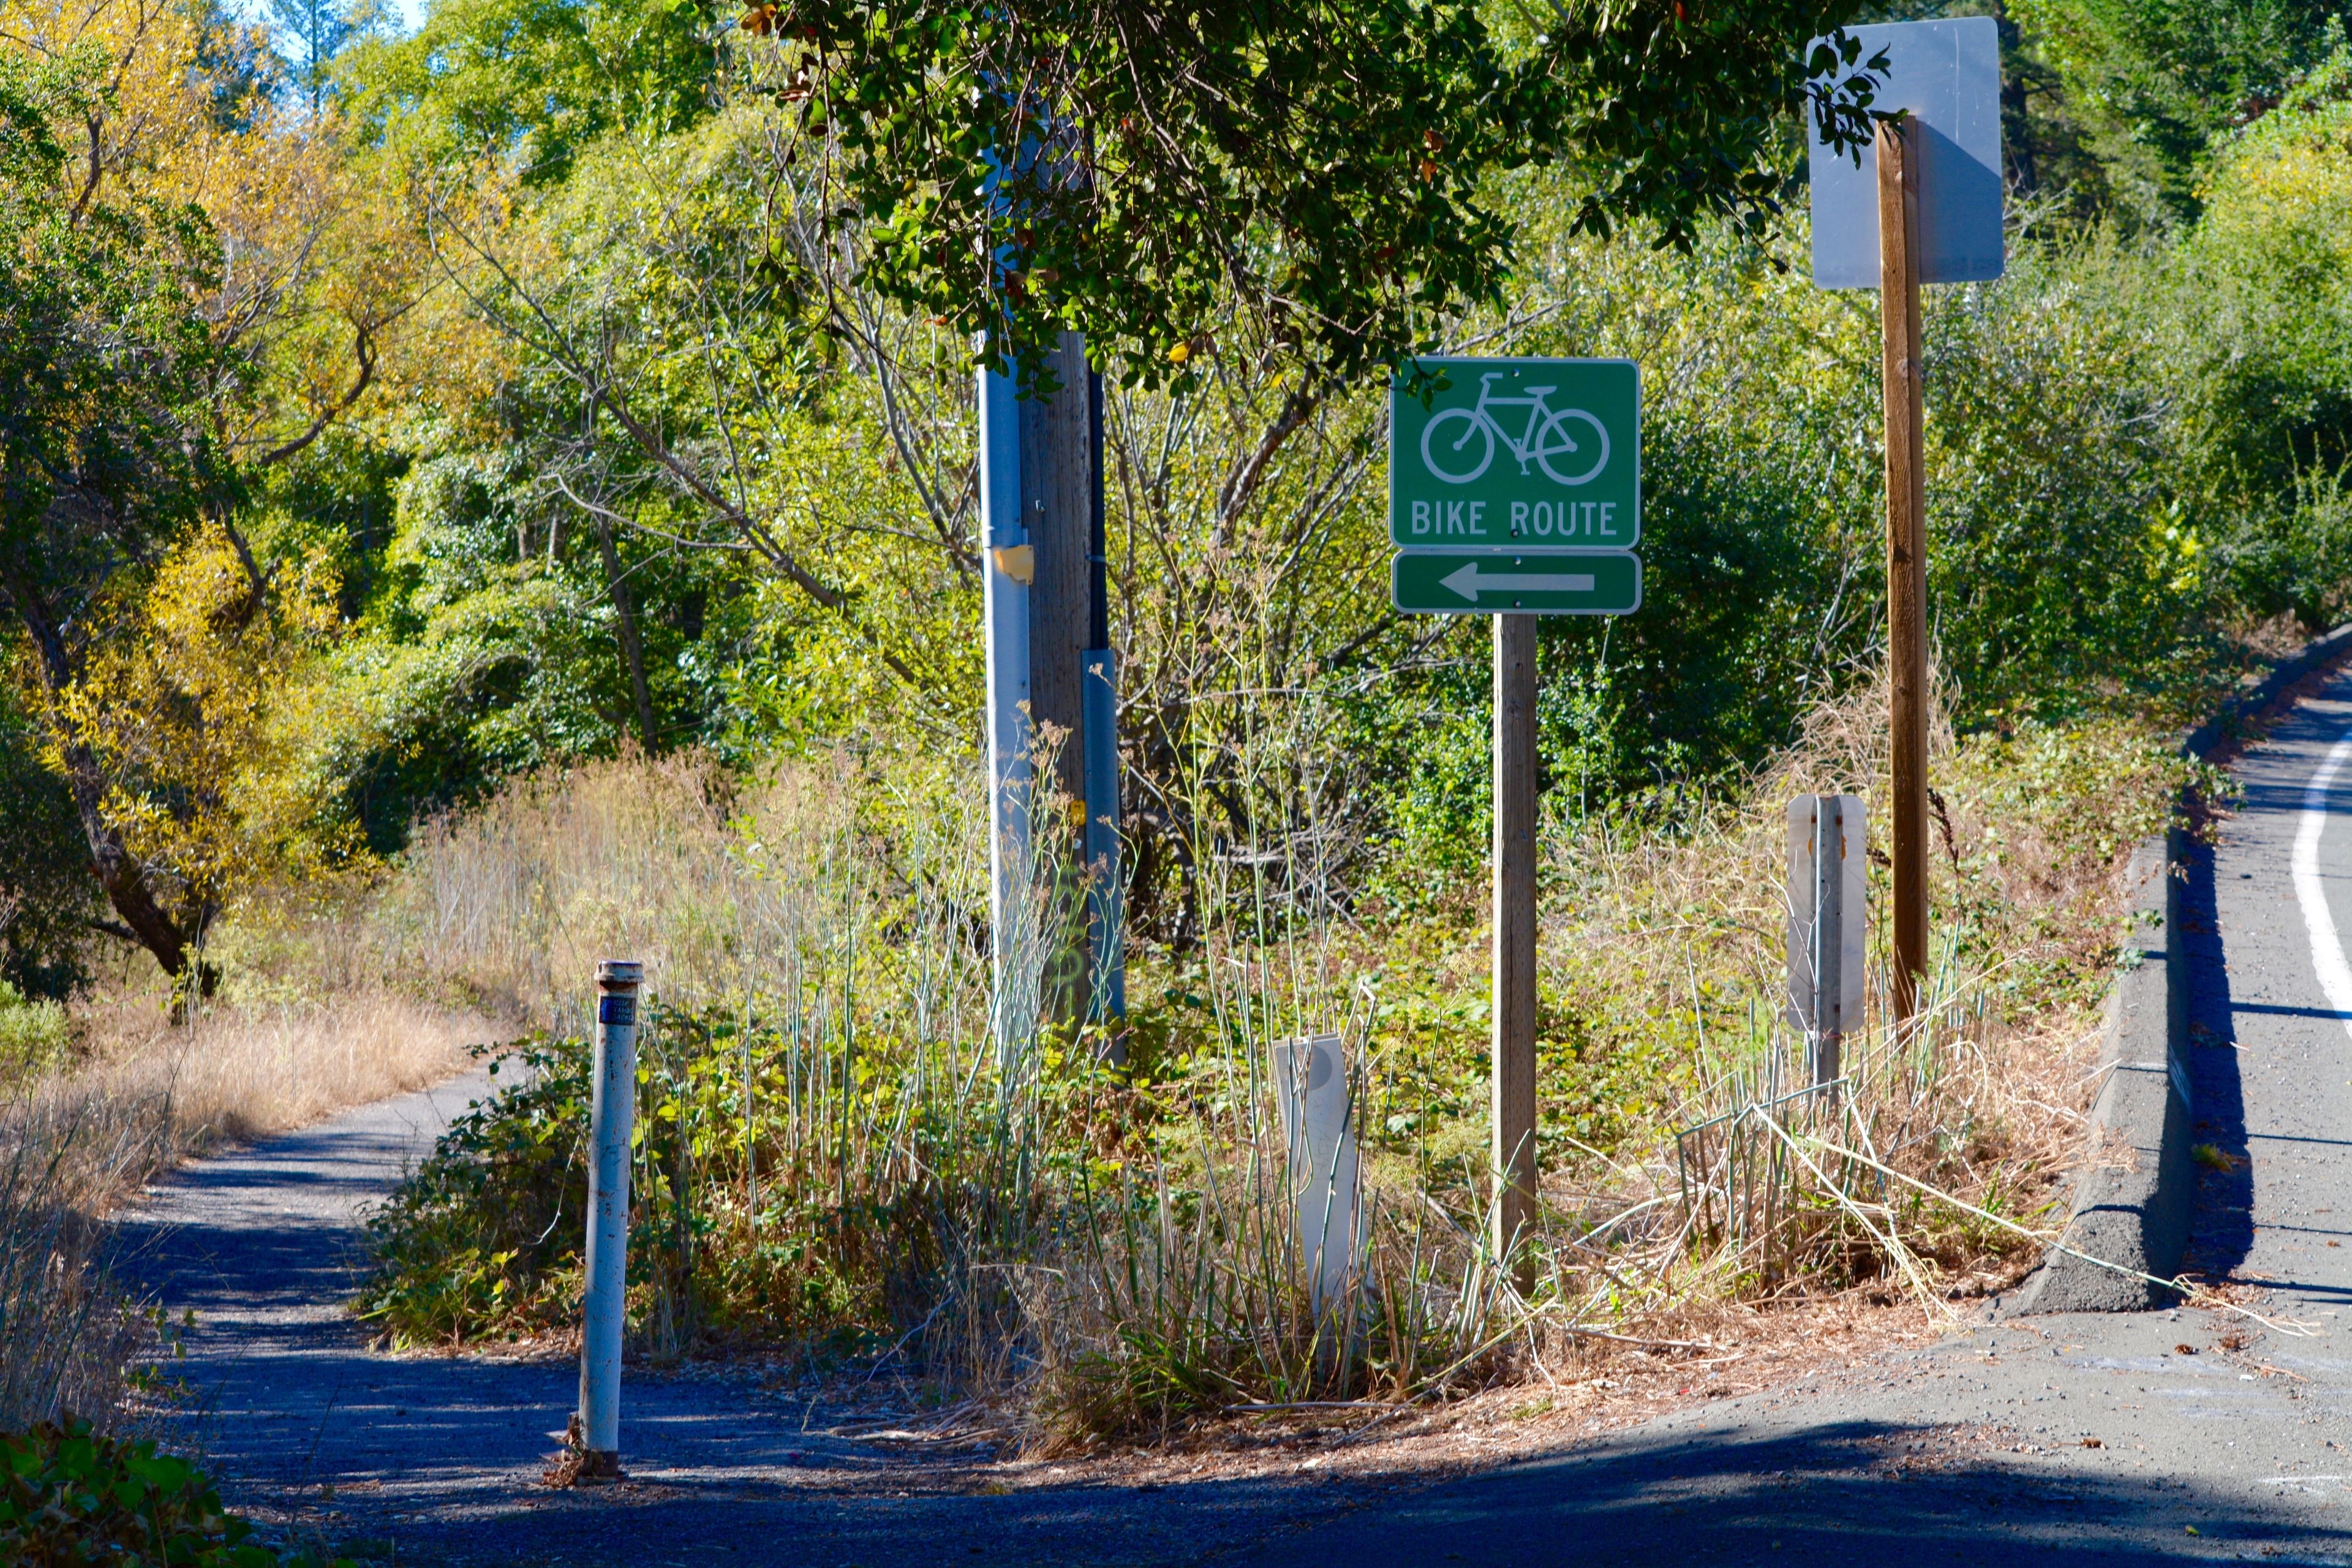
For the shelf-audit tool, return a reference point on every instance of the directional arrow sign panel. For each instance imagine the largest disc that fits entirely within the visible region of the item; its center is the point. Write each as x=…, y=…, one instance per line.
x=1488, y=583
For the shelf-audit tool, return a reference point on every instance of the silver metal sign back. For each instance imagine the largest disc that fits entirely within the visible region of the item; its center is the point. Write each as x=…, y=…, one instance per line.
x=1948, y=73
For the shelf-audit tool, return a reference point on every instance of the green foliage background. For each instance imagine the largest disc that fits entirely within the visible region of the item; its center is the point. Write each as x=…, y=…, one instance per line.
x=651, y=403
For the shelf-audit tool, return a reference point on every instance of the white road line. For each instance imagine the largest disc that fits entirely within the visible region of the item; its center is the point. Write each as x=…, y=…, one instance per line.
x=2326, y=947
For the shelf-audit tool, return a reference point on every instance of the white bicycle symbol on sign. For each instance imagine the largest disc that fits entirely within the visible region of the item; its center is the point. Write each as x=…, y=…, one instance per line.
x=1548, y=436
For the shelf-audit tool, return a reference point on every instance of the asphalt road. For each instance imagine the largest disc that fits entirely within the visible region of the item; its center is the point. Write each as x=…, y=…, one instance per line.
x=2163, y=1436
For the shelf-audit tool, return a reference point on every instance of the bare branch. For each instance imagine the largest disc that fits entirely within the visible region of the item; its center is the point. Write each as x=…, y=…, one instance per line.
x=364, y=346
x=90, y=185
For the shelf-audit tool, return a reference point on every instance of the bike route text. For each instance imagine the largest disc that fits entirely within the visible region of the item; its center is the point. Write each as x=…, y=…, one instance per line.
x=1560, y=521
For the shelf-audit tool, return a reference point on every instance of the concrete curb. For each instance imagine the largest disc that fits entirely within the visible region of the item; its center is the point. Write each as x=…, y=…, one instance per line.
x=2135, y=1197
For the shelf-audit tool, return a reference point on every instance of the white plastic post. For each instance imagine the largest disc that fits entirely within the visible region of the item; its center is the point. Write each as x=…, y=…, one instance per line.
x=612, y=1112
x=1829, y=892
x=1310, y=1085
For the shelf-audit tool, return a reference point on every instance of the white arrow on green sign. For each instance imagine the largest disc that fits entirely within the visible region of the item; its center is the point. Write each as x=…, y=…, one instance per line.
x=1485, y=582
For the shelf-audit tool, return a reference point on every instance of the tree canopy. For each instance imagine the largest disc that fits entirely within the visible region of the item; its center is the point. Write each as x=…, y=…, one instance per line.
x=572, y=376
x=1134, y=170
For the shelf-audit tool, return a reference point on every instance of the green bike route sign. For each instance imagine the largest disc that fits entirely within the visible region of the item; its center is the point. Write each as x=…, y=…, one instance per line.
x=1517, y=454
x=1469, y=582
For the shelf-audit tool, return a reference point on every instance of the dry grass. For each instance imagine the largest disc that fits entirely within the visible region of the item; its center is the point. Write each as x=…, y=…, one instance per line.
x=135, y=1099
x=66, y=1339
x=244, y=1069
x=708, y=880
x=1671, y=942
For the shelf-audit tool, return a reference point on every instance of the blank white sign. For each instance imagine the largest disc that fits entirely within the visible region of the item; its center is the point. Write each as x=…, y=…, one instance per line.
x=1312, y=1090
x=1948, y=73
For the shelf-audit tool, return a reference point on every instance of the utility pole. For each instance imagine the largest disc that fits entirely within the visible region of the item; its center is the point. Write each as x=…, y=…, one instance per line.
x=1907, y=549
x=1008, y=567
x=1051, y=681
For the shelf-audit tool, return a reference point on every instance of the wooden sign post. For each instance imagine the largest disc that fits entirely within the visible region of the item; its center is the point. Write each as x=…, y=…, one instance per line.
x=1514, y=491
x=1921, y=205
x=1907, y=550
x=1515, y=942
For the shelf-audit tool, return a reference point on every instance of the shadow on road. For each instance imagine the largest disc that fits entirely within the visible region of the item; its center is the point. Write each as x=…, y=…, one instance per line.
x=1854, y=1492
x=2223, y=1230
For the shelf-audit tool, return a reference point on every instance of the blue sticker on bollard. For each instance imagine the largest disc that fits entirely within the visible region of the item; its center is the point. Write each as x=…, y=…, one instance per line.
x=619, y=1010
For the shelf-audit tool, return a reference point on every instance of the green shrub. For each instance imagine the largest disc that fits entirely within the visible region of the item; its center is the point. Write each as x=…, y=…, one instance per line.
x=2296, y=558
x=70, y=1495
x=2263, y=309
x=484, y=1239
x=33, y=1034
x=479, y=1238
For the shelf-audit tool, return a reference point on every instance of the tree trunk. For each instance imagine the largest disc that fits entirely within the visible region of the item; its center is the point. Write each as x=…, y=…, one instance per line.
x=120, y=873
x=125, y=876
x=633, y=652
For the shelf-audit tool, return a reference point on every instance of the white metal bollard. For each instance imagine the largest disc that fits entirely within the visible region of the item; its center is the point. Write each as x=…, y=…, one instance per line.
x=1829, y=894
x=1310, y=1084
x=610, y=1115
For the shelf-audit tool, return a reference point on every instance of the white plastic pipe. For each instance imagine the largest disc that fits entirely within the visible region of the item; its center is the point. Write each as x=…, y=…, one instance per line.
x=1313, y=1094
x=612, y=1112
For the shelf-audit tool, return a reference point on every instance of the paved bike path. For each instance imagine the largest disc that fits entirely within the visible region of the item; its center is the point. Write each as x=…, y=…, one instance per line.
x=308, y=1429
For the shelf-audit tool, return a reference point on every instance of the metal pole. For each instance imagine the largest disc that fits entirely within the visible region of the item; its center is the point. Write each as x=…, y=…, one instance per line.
x=1515, y=942
x=1099, y=708
x=1009, y=567
x=612, y=1110
x=1907, y=551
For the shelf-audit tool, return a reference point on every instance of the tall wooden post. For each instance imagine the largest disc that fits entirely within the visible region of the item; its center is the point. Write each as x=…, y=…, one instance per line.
x=1907, y=550
x=1058, y=498
x=1515, y=940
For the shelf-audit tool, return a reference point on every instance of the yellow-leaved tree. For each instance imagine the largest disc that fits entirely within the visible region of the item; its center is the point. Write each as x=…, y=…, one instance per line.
x=199, y=283
x=203, y=709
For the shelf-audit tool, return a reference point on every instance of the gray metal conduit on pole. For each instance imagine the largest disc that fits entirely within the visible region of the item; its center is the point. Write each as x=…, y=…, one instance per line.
x=1100, y=695
x=611, y=1116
